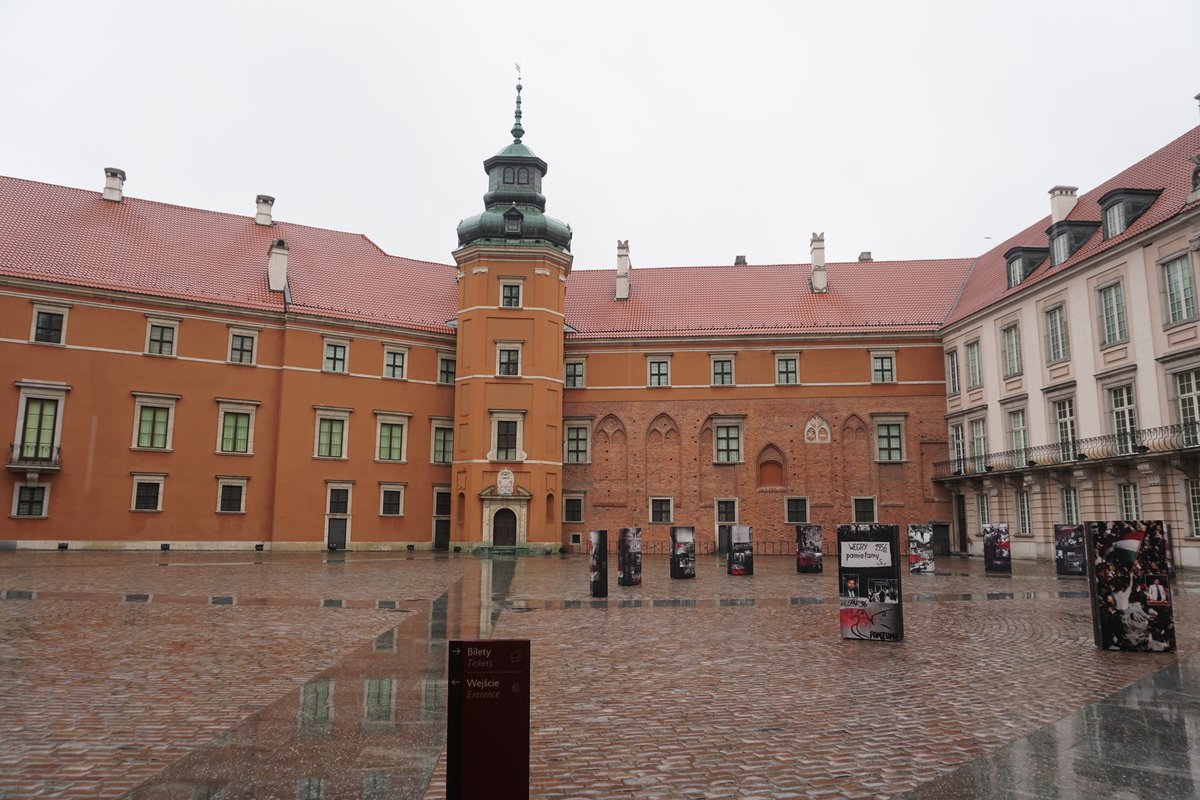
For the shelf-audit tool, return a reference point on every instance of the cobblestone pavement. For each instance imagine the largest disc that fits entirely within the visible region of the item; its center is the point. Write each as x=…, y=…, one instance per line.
x=113, y=667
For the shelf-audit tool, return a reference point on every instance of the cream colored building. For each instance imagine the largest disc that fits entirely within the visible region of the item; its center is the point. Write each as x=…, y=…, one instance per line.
x=1073, y=364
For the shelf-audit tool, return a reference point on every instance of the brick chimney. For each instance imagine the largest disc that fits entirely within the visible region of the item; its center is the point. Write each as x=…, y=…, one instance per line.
x=1062, y=200
x=819, y=282
x=263, y=217
x=623, y=266
x=114, y=184
x=277, y=265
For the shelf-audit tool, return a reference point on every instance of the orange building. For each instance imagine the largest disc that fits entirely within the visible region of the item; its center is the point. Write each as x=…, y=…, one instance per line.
x=186, y=378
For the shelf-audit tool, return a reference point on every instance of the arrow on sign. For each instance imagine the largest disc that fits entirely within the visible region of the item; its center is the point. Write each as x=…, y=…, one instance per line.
x=454, y=683
x=456, y=651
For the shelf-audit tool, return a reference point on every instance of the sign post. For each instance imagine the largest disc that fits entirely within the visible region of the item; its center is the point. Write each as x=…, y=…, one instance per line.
x=487, y=720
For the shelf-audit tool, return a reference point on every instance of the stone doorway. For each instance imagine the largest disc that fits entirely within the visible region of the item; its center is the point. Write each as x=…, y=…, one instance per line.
x=504, y=528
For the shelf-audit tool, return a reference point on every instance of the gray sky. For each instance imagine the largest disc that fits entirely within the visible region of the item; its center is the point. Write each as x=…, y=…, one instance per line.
x=699, y=131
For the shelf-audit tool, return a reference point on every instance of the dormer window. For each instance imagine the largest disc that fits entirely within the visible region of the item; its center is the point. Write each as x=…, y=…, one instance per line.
x=1062, y=248
x=512, y=221
x=509, y=175
x=1016, y=271
x=1122, y=207
x=1022, y=261
x=1067, y=236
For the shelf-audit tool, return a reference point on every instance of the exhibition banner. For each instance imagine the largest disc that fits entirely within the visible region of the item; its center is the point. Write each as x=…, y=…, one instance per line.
x=997, y=553
x=920, y=549
x=683, y=552
x=808, y=548
x=1068, y=550
x=741, y=550
x=598, y=562
x=869, y=582
x=629, y=556
x=1128, y=571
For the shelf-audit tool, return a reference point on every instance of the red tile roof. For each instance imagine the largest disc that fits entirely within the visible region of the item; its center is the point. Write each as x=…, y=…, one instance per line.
x=867, y=296
x=1168, y=169
x=71, y=236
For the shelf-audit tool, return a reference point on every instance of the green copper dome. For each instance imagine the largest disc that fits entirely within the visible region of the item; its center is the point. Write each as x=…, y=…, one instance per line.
x=515, y=206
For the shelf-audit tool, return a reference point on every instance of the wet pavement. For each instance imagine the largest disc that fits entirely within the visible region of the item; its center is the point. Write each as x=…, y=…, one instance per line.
x=223, y=675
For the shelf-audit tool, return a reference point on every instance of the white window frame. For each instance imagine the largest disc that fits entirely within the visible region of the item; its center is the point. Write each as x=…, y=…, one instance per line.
x=1016, y=271
x=400, y=418
x=41, y=390
x=44, y=307
x=443, y=357
x=794, y=357
x=148, y=477
x=391, y=486
x=1129, y=501
x=235, y=406
x=1119, y=317
x=979, y=434
x=499, y=415
x=509, y=345
x=16, y=501
x=1024, y=515
x=722, y=357
x=974, y=364
x=508, y=280
x=983, y=510
x=953, y=378
x=883, y=362
x=330, y=485
x=241, y=330
x=1069, y=500
x=153, y=400
x=582, y=498
x=332, y=413
x=575, y=382
x=159, y=321
x=737, y=422
x=1018, y=430
x=400, y=350
x=670, y=510
x=657, y=358
x=1191, y=493
x=737, y=510
x=1186, y=281
x=335, y=341
x=440, y=424
x=1060, y=247
x=232, y=480
x=900, y=419
x=1058, y=340
x=577, y=425
x=1123, y=418
x=958, y=446
x=874, y=509
x=786, y=514
x=1116, y=220
x=1010, y=336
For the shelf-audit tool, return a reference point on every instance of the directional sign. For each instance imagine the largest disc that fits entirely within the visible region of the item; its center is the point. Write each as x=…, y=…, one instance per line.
x=487, y=725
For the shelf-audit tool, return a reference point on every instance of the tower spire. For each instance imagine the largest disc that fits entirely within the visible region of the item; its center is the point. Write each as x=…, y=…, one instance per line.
x=517, y=130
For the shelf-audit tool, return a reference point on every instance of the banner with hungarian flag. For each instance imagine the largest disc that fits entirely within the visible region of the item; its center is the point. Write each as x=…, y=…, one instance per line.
x=1129, y=569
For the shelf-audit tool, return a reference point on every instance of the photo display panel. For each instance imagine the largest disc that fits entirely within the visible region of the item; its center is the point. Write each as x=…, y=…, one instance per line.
x=683, y=552
x=920, y=549
x=808, y=548
x=1129, y=574
x=1068, y=550
x=629, y=556
x=997, y=552
x=869, y=582
x=741, y=550
x=598, y=562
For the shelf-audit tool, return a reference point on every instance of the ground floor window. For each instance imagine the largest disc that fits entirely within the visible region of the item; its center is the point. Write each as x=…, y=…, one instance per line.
x=864, y=509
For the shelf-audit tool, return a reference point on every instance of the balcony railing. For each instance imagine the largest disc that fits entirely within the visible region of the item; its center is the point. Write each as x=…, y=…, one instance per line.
x=34, y=456
x=1185, y=436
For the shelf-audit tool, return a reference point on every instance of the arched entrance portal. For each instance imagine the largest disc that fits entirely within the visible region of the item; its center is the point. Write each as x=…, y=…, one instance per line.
x=504, y=528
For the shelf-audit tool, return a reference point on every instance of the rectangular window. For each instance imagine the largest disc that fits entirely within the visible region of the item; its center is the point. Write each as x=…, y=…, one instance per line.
x=235, y=432
x=1193, y=499
x=572, y=509
x=974, y=366
x=48, y=327
x=147, y=492
x=577, y=445
x=152, y=427
x=785, y=370
x=510, y=295
x=393, y=364
x=441, y=504
x=1114, y=220
x=1181, y=296
x=37, y=432
x=1024, y=518
x=31, y=501
x=335, y=357
x=1062, y=248
x=952, y=378
x=979, y=444
x=573, y=374
x=1112, y=312
x=443, y=445
x=315, y=703
x=390, y=503
x=232, y=496
x=797, y=510
x=509, y=362
x=446, y=368
x=958, y=449
x=1131, y=501
x=329, y=437
x=1057, y=345
x=660, y=373
x=241, y=348
x=1012, y=351
x=1064, y=414
x=339, y=501
x=506, y=440
x=722, y=372
x=1188, y=386
x=378, y=705
x=864, y=509
x=727, y=511
x=983, y=506
x=660, y=509
x=729, y=443
x=391, y=442
x=162, y=340
x=1070, y=505
x=883, y=369
x=889, y=440
x=1124, y=418
x=1016, y=271
x=1019, y=435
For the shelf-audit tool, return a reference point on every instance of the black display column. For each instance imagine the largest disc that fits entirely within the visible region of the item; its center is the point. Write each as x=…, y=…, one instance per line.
x=598, y=562
x=741, y=550
x=808, y=548
x=629, y=556
x=683, y=552
x=869, y=582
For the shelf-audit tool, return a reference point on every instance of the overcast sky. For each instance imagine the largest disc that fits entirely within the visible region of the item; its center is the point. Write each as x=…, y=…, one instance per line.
x=699, y=131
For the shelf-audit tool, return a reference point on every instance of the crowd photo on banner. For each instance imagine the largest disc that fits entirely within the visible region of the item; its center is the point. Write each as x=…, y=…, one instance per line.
x=1131, y=586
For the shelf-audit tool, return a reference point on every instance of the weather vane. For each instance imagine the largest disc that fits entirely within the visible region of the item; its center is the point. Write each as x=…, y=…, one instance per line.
x=518, y=66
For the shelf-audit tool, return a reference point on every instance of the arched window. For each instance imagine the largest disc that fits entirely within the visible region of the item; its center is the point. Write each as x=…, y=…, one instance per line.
x=508, y=174
x=522, y=175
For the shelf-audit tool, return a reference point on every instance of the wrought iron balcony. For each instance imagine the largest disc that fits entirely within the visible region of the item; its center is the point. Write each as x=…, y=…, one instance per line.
x=34, y=458
x=1167, y=439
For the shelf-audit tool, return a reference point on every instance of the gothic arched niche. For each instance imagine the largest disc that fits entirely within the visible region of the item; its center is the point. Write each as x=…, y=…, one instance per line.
x=662, y=455
x=817, y=431
x=770, y=467
x=610, y=455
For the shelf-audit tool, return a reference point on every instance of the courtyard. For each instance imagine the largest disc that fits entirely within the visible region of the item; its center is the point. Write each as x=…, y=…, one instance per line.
x=205, y=675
